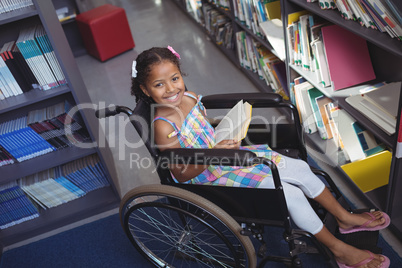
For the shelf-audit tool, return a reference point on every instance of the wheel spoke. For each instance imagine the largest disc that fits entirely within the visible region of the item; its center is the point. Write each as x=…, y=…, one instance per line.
x=173, y=232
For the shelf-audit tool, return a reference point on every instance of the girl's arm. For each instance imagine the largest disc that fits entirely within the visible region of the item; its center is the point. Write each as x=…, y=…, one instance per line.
x=181, y=172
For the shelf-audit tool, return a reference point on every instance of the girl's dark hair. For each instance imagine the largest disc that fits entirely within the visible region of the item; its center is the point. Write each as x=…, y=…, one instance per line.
x=145, y=60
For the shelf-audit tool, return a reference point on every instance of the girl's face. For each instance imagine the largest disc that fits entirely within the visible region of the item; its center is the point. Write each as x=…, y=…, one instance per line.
x=165, y=84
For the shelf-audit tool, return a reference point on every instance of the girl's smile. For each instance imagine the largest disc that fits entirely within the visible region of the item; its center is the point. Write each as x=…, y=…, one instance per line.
x=165, y=84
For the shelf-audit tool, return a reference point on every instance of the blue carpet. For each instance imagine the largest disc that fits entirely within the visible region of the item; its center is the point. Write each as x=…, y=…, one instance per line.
x=103, y=244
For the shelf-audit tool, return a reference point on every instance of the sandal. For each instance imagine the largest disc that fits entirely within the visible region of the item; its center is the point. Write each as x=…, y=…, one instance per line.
x=364, y=227
x=384, y=264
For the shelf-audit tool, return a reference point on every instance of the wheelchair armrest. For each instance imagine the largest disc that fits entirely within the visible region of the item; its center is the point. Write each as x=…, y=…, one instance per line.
x=217, y=101
x=222, y=157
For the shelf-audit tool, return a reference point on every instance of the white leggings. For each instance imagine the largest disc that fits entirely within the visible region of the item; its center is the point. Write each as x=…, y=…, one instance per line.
x=299, y=181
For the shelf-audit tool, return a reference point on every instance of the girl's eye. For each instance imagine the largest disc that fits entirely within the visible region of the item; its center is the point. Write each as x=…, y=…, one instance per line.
x=175, y=79
x=158, y=85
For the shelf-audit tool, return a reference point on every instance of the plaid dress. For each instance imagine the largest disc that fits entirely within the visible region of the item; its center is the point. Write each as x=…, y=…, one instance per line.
x=197, y=132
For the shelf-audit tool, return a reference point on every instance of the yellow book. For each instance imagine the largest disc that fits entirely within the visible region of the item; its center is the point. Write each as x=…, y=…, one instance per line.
x=371, y=172
x=294, y=17
x=273, y=10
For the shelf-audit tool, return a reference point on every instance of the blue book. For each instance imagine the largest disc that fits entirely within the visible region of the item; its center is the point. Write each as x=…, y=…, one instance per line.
x=70, y=186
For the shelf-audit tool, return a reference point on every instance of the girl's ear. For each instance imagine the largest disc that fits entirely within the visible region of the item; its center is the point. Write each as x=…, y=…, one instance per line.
x=144, y=90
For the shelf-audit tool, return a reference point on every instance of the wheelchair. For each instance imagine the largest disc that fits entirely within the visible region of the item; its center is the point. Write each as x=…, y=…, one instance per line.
x=185, y=225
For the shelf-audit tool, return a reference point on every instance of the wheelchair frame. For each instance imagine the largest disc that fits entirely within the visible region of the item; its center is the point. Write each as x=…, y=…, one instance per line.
x=241, y=213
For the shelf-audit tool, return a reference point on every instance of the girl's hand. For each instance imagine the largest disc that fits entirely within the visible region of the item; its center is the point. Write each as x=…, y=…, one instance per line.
x=228, y=144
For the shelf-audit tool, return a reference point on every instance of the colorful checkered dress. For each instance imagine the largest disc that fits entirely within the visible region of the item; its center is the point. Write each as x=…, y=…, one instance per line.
x=197, y=132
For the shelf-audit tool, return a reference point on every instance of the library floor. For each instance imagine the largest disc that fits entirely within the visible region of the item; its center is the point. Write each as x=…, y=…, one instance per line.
x=161, y=23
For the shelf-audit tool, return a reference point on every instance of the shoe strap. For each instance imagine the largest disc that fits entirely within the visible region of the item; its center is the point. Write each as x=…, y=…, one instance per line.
x=365, y=261
x=368, y=221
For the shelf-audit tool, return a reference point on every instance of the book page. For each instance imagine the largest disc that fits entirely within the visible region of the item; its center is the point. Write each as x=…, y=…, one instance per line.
x=235, y=123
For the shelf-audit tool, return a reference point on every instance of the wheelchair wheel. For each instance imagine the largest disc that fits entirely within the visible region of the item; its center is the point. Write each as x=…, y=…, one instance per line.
x=173, y=227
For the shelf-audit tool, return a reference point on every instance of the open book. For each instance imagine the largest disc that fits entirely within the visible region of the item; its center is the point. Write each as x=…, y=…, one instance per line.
x=235, y=124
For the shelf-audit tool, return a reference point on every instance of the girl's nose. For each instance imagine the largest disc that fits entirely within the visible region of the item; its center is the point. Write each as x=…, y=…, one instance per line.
x=169, y=87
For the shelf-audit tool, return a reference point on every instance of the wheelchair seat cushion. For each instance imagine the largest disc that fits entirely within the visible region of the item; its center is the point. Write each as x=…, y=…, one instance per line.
x=197, y=132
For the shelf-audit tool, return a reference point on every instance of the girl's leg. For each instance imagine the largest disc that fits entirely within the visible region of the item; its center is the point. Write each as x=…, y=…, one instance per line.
x=299, y=207
x=297, y=172
x=344, y=218
x=305, y=218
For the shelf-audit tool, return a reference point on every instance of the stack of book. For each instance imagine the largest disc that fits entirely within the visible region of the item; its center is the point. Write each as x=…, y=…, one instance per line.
x=382, y=15
x=218, y=26
x=193, y=7
x=87, y=173
x=379, y=103
x=20, y=200
x=46, y=191
x=320, y=114
x=8, y=6
x=253, y=13
x=29, y=62
x=361, y=156
x=8, y=85
x=62, y=184
x=15, y=206
x=49, y=123
x=255, y=57
x=40, y=132
x=21, y=142
x=38, y=52
x=20, y=71
x=339, y=58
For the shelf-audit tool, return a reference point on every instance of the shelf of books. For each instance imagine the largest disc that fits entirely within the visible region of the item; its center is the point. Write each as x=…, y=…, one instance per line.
x=39, y=220
x=375, y=36
x=343, y=78
x=52, y=171
x=241, y=39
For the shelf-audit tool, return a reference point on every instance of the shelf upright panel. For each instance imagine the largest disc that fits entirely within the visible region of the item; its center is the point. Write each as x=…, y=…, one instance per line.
x=75, y=81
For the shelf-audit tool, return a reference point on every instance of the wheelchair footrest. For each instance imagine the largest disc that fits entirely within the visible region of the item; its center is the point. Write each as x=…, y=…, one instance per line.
x=302, y=247
x=363, y=240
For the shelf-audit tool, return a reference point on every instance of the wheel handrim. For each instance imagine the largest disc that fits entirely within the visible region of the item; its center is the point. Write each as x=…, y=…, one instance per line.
x=178, y=243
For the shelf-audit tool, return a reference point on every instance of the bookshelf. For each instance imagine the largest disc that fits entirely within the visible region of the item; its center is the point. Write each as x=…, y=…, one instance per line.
x=237, y=26
x=386, y=56
x=74, y=91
